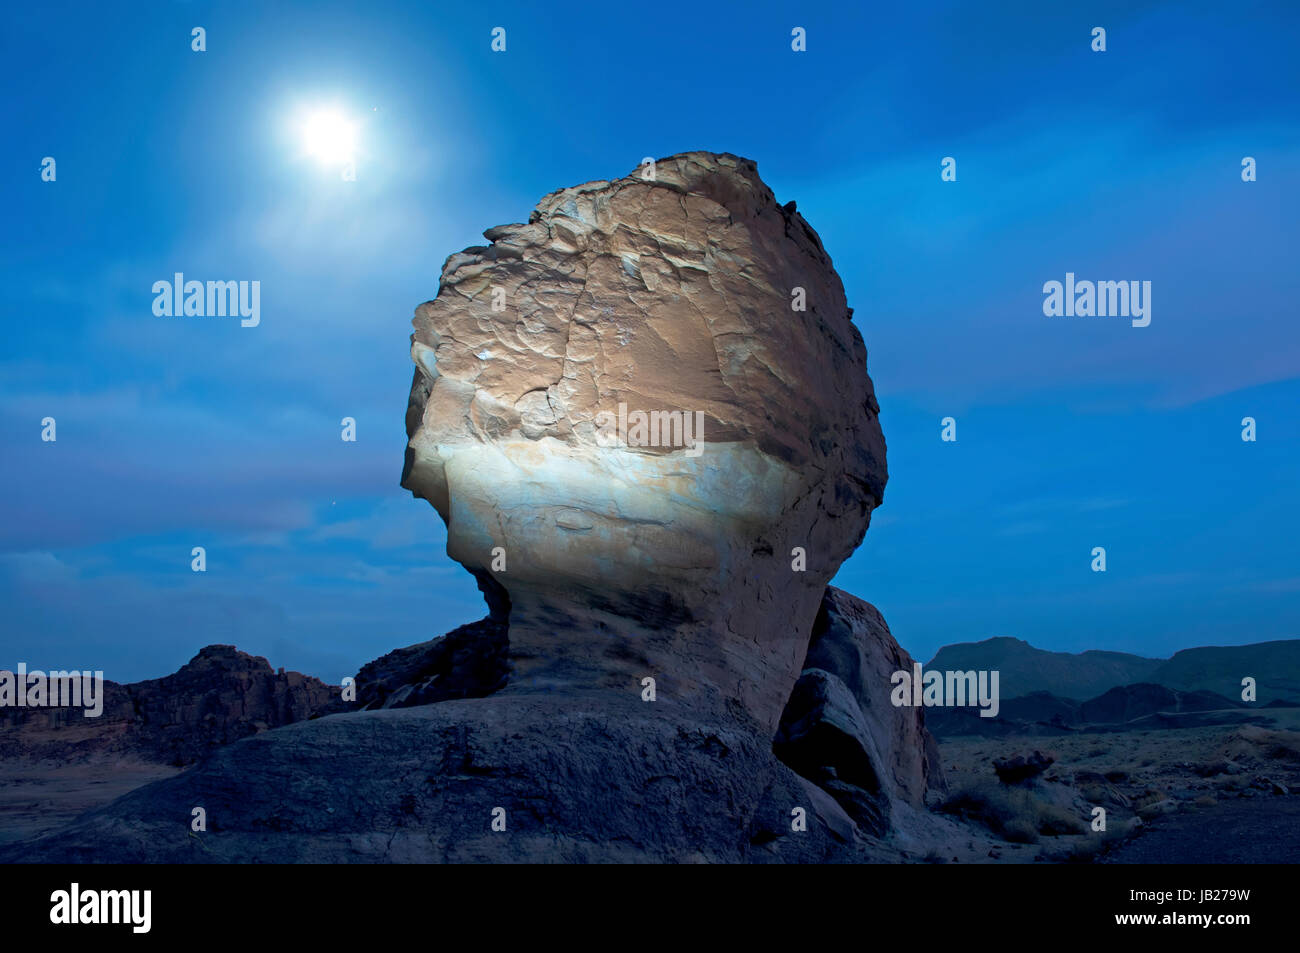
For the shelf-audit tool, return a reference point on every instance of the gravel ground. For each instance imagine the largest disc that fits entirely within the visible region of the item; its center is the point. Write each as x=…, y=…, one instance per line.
x=1249, y=831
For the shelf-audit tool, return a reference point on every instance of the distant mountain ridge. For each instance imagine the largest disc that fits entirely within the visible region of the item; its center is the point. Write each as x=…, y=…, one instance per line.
x=219, y=696
x=1025, y=670
x=1275, y=666
x=1144, y=706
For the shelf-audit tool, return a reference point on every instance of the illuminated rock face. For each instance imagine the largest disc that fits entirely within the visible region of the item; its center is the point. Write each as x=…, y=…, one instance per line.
x=689, y=311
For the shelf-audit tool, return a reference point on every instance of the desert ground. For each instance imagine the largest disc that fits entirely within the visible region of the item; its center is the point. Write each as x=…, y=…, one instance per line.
x=1221, y=794
x=39, y=797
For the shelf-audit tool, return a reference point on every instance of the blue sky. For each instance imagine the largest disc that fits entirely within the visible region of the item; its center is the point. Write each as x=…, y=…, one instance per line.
x=1072, y=432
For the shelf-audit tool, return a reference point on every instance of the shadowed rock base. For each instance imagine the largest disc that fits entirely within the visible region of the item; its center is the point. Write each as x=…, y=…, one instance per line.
x=582, y=774
x=578, y=782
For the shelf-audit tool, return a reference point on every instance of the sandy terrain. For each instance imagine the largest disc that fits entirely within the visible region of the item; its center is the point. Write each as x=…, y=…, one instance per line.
x=39, y=797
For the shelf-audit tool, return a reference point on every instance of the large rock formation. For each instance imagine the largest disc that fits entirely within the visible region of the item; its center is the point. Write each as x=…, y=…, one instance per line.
x=695, y=298
x=700, y=559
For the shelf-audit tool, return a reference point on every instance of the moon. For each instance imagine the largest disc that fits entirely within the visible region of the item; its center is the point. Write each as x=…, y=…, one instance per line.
x=329, y=135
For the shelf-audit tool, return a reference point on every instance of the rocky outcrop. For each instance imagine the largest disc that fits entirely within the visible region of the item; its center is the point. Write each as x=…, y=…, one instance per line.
x=661, y=546
x=1019, y=768
x=468, y=662
x=218, y=697
x=577, y=779
x=652, y=596
x=840, y=729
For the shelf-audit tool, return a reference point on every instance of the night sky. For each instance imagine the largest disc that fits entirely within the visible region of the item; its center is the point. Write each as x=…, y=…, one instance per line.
x=1072, y=432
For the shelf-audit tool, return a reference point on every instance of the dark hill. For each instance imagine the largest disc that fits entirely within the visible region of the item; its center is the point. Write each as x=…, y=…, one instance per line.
x=1025, y=669
x=1129, y=702
x=1275, y=666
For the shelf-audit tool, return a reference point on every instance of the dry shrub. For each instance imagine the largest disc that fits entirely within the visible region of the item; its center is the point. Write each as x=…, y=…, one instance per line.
x=1013, y=813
